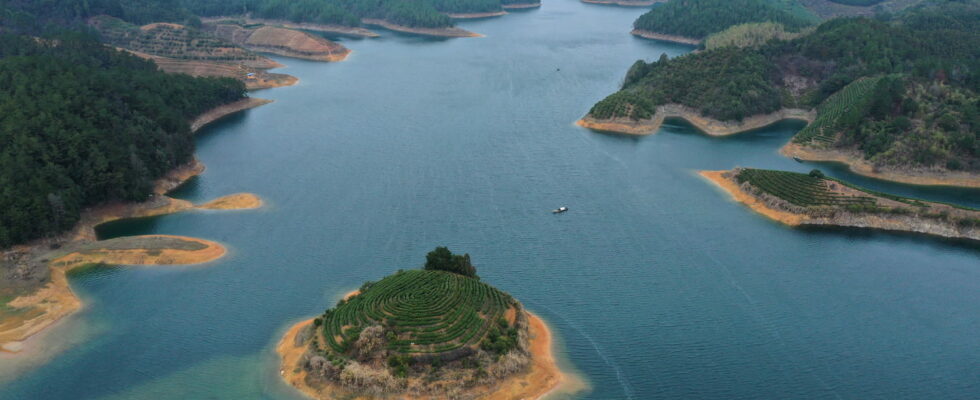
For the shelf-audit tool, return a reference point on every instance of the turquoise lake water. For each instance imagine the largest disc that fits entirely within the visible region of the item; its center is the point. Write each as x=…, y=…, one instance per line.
x=656, y=283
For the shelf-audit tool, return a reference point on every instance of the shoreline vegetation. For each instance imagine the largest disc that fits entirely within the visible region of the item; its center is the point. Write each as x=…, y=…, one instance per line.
x=542, y=378
x=706, y=125
x=31, y=314
x=665, y=37
x=854, y=207
x=712, y=127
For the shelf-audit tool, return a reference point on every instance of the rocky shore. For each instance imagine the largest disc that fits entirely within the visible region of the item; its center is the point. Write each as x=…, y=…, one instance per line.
x=667, y=38
x=933, y=219
x=708, y=126
x=857, y=164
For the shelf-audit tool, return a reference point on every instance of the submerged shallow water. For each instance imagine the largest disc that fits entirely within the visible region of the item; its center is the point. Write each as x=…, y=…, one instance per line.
x=657, y=285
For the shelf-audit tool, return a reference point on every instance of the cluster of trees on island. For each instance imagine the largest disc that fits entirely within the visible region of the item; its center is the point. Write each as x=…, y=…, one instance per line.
x=924, y=112
x=83, y=124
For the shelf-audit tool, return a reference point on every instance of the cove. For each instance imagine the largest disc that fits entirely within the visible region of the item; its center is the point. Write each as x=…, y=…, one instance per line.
x=655, y=283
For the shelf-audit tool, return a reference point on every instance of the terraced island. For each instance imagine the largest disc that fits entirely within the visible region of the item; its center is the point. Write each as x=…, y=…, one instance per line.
x=813, y=199
x=433, y=333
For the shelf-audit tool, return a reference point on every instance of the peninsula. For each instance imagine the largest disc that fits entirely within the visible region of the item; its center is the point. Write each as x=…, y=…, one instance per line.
x=797, y=199
x=157, y=156
x=887, y=106
x=423, y=334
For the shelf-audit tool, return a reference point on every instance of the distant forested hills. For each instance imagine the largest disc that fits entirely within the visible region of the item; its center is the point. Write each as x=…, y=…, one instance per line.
x=912, y=83
x=35, y=15
x=699, y=18
x=82, y=124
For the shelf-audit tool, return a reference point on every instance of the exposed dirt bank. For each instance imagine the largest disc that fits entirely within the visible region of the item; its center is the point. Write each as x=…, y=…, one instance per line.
x=440, y=32
x=238, y=201
x=859, y=165
x=225, y=110
x=54, y=301
x=281, y=41
x=519, y=6
x=542, y=377
x=476, y=15
x=330, y=28
x=933, y=219
x=667, y=38
x=706, y=125
x=626, y=3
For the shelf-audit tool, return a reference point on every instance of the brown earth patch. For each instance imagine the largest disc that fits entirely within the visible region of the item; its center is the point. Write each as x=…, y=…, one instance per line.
x=665, y=37
x=238, y=201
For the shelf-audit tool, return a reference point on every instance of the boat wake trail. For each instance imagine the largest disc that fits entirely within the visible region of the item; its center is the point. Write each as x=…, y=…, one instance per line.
x=627, y=389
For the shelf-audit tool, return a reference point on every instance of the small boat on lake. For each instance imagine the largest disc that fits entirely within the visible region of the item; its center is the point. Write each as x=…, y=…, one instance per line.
x=559, y=210
x=797, y=159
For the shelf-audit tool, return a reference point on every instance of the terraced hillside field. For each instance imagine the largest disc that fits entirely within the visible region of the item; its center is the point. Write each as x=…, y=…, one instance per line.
x=176, y=42
x=427, y=312
x=837, y=112
x=800, y=189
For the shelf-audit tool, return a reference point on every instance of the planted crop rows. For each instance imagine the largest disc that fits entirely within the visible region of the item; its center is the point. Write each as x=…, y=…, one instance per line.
x=837, y=111
x=429, y=312
x=799, y=189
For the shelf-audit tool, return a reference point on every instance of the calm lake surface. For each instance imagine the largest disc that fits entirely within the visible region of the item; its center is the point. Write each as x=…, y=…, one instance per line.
x=656, y=283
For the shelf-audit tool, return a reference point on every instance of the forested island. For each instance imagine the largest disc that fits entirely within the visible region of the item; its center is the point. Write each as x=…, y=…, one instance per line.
x=691, y=22
x=433, y=333
x=813, y=199
x=894, y=97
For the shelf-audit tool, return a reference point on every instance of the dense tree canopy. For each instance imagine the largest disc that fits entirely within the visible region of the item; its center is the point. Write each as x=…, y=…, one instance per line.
x=924, y=114
x=36, y=15
x=82, y=124
x=700, y=18
x=442, y=259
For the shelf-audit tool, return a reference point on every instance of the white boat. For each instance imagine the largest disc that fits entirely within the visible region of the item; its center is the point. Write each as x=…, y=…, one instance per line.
x=560, y=210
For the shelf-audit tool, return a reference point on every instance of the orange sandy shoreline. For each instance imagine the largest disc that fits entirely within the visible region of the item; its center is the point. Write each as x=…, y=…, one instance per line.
x=665, y=37
x=56, y=300
x=543, y=378
x=708, y=126
x=741, y=196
